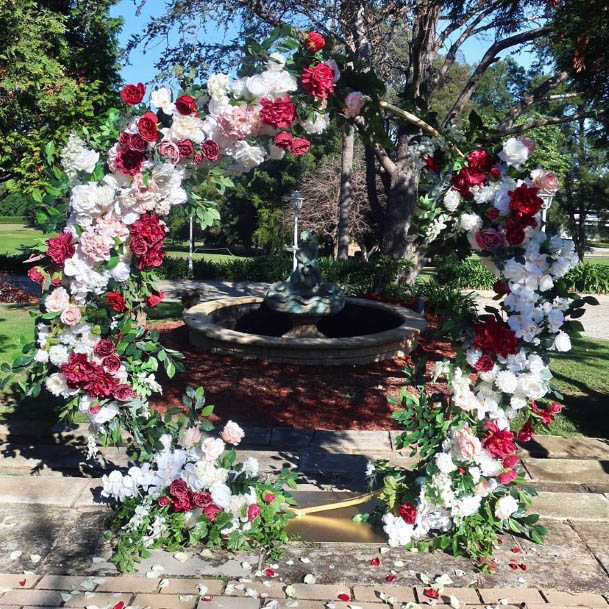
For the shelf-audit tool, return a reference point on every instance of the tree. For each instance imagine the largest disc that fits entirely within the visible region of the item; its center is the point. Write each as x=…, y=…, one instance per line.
x=364, y=30
x=58, y=71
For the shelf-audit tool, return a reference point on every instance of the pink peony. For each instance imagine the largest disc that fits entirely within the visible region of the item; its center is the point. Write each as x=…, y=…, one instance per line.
x=232, y=433
x=545, y=181
x=70, y=315
x=467, y=445
x=96, y=246
x=354, y=102
x=57, y=300
x=170, y=151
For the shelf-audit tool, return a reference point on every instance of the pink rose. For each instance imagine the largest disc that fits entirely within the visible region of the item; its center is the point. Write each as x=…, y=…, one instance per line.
x=485, y=487
x=170, y=151
x=70, y=315
x=489, y=239
x=191, y=437
x=354, y=102
x=253, y=512
x=35, y=275
x=212, y=448
x=545, y=181
x=466, y=443
x=232, y=433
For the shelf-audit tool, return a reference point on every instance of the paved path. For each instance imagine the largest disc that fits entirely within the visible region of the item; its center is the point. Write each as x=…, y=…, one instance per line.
x=212, y=289
x=595, y=319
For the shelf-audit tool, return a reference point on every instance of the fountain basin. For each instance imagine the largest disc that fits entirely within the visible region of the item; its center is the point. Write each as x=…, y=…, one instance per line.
x=364, y=331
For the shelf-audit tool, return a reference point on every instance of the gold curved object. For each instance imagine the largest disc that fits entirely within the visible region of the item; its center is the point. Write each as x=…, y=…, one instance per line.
x=299, y=512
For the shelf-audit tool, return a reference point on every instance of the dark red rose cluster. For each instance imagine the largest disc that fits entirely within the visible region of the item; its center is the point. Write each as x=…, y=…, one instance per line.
x=499, y=442
x=146, y=241
x=494, y=337
x=181, y=499
x=279, y=114
x=408, y=513
x=60, y=248
x=133, y=94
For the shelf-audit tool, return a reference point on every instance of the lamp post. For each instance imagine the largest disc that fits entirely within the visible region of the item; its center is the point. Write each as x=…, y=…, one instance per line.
x=296, y=200
x=547, y=201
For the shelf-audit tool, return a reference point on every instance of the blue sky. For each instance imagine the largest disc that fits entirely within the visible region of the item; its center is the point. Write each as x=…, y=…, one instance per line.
x=141, y=67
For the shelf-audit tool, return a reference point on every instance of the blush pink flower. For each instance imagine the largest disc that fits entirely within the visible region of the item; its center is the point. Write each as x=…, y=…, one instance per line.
x=466, y=443
x=70, y=315
x=57, y=300
x=545, y=181
x=232, y=433
x=96, y=246
x=354, y=102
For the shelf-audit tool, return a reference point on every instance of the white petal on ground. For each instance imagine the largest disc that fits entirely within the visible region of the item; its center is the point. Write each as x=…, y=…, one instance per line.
x=181, y=556
x=15, y=554
x=309, y=578
x=35, y=558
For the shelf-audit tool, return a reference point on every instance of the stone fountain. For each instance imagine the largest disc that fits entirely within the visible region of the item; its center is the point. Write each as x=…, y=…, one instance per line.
x=304, y=320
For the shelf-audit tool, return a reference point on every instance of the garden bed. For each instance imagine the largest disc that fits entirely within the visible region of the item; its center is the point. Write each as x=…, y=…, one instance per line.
x=263, y=394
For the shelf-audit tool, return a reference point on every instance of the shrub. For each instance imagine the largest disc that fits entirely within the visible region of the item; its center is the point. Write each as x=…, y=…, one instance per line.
x=13, y=263
x=469, y=274
x=13, y=220
x=589, y=277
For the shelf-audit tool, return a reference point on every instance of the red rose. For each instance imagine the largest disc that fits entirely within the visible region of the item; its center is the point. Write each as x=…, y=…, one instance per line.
x=133, y=141
x=210, y=150
x=489, y=239
x=495, y=173
x=116, y=302
x=300, y=145
x=182, y=505
x=186, y=148
x=495, y=337
x=185, y=105
x=35, y=275
x=60, y=248
x=500, y=443
x=501, y=288
x=178, y=489
x=480, y=160
x=507, y=477
x=268, y=498
x=279, y=114
x=314, y=42
x=138, y=245
x=154, y=299
x=164, y=501
x=100, y=383
x=152, y=258
x=524, y=200
x=318, y=81
x=556, y=407
x=197, y=157
x=253, y=512
x=430, y=163
x=133, y=94
x=169, y=150
x=408, y=513
x=147, y=127
x=464, y=179
x=211, y=511
x=492, y=213
x=526, y=433
x=545, y=414
x=283, y=140
x=510, y=462
x=515, y=236
x=129, y=162
x=149, y=228
x=111, y=363
x=485, y=363
x=122, y=393
x=104, y=347
x=201, y=500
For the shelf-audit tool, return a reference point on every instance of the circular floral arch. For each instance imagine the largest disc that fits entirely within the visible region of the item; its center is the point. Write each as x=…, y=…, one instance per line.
x=93, y=352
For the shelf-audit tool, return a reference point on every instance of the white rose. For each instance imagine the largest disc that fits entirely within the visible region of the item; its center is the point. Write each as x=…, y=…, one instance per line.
x=212, y=448
x=276, y=62
x=556, y=318
x=445, y=463
x=251, y=467
x=188, y=127
x=506, y=381
x=41, y=356
x=452, y=200
x=248, y=156
x=121, y=272
x=546, y=283
x=531, y=386
x=57, y=300
x=283, y=83
x=104, y=414
x=56, y=384
x=505, y=507
x=161, y=98
x=217, y=85
x=84, y=198
x=258, y=86
x=562, y=342
x=238, y=88
x=316, y=123
x=470, y=222
x=221, y=495
x=514, y=152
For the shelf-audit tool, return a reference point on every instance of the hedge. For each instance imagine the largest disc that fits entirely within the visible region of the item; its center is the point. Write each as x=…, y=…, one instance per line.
x=13, y=220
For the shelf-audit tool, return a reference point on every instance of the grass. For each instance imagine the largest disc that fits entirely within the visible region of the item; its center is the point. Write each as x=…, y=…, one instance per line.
x=13, y=236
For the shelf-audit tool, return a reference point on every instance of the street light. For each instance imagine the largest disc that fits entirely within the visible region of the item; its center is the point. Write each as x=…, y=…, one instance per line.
x=547, y=201
x=296, y=200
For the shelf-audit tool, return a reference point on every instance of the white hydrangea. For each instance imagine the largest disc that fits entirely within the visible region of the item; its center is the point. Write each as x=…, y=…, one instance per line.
x=452, y=200
x=470, y=222
x=217, y=86
x=399, y=532
x=506, y=381
x=247, y=156
x=514, y=152
x=316, y=123
x=58, y=355
x=445, y=463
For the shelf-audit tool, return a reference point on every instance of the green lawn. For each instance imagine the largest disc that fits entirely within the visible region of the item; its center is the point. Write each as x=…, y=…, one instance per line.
x=12, y=236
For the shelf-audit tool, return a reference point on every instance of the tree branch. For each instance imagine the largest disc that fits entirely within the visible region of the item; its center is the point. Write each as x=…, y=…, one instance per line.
x=544, y=122
x=538, y=94
x=381, y=154
x=489, y=58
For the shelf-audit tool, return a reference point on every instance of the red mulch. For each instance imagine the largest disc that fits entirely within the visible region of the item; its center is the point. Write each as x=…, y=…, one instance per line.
x=264, y=394
x=11, y=294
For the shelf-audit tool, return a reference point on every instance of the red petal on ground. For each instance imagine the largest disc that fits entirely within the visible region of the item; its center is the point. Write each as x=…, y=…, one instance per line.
x=516, y=550
x=431, y=593
x=282, y=395
x=523, y=566
x=344, y=597
x=390, y=578
x=513, y=565
x=269, y=572
x=22, y=582
x=119, y=605
x=376, y=562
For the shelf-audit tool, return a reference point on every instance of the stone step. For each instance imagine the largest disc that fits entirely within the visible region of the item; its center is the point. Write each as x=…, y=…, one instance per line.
x=557, y=447
x=592, y=474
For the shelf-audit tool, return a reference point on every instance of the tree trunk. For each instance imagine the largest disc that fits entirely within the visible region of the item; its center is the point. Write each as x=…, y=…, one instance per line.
x=346, y=193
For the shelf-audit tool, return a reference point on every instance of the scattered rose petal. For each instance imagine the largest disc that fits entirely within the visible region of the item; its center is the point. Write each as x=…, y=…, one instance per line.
x=65, y=597
x=99, y=580
x=15, y=554
x=305, y=560
x=516, y=550
x=202, y=588
x=23, y=582
x=89, y=594
x=455, y=603
x=513, y=565
x=521, y=580
x=523, y=566
x=423, y=577
x=35, y=558
x=431, y=593
x=181, y=556
x=207, y=599
x=269, y=572
x=376, y=562
x=185, y=597
x=289, y=562
x=271, y=605
x=230, y=588
x=290, y=591
x=251, y=592
x=459, y=573
x=444, y=580
x=206, y=553
x=398, y=563
x=390, y=578
x=309, y=578
x=291, y=603
x=163, y=584
x=384, y=550
x=246, y=566
x=87, y=585
x=344, y=597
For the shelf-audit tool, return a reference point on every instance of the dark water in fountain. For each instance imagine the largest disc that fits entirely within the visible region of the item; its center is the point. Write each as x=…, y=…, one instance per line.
x=353, y=320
